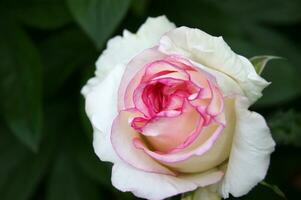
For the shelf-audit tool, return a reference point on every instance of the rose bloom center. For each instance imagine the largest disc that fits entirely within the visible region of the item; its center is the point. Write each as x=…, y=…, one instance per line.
x=173, y=110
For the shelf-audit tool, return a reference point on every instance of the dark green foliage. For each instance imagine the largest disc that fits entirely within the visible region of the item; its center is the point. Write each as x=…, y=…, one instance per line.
x=98, y=18
x=47, y=52
x=286, y=127
x=20, y=84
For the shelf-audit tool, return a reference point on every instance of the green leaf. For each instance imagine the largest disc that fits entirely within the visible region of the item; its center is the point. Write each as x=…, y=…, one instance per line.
x=62, y=54
x=21, y=170
x=67, y=182
x=99, y=18
x=42, y=14
x=20, y=84
x=259, y=62
x=9, y=148
x=275, y=188
x=66, y=179
x=286, y=127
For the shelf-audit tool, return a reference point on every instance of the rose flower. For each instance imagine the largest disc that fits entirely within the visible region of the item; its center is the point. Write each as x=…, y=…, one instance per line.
x=169, y=108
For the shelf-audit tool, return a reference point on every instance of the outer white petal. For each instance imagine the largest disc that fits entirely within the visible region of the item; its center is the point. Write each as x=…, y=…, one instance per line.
x=214, y=52
x=250, y=153
x=157, y=186
x=101, y=101
x=228, y=85
x=121, y=49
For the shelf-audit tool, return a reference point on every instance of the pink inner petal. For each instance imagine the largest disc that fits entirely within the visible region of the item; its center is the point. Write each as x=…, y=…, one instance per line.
x=180, y=62
x=122, y=136
x=168, y=133
x=217, y=103
x=133, y=74
x=161, y=68
x=179, y=107
x=200, y=145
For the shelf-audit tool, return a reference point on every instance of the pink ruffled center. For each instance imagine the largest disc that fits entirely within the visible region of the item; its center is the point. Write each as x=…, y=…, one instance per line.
x=178, y=108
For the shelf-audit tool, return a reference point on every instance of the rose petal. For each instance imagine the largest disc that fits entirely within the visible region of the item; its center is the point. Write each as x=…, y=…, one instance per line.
x=101, y=101
x=167, y=133
x=216, y=104
x=227, y=85
x=144, y=97
x=154, y=71
x=121, y=49
x=250, y=153
x=100, y=91
x=133, y=75
x=218, y=153
x=158, y=186
x=200, y=145
x=181, y=62
x=122, y=140
x=213, y=52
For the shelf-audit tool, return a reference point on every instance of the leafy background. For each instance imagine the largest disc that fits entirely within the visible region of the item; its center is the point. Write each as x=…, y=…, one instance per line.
x=48, y=49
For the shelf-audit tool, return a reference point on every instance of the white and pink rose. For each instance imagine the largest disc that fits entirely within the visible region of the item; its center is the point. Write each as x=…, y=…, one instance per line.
x=169, y=108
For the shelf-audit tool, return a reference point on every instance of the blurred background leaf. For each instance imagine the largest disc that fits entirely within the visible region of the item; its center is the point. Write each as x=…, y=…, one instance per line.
x=21, y=84
x=286, y=127
x=62, y=54
x=47, y=52
x=20, y=169
x=280, y=91
x=98, y=18
x=66, y=182
x=43, y=14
